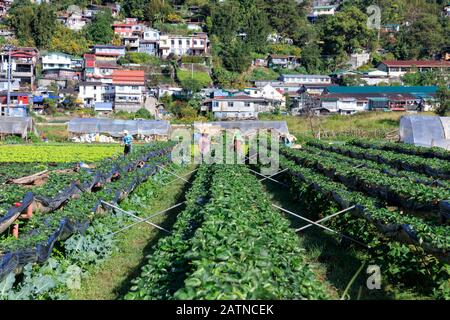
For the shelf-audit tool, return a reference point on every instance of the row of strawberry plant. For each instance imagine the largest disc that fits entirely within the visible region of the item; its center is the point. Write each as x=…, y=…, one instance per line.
x=433, y=167
x=427, y=152
x=410, y=258
x=164, y=272
x=243, y=249
x=395, y=190
x=414, y=177
x=43, y=230
x=75, y=258
x=61, y=187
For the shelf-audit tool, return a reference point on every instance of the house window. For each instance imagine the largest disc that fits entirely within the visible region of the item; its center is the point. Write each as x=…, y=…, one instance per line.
x=173, y=42
x=247, y=104
x=134, y=88
x=188, y=42
x=231, y=104
x=180, y=42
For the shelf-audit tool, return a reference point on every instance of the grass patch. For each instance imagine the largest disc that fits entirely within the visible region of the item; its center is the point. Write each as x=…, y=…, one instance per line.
x=203, y=78
x=112, y=279
x=364, y=124
x=263, y=74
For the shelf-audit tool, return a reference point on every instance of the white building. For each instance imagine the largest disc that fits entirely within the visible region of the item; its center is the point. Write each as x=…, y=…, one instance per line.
x=305, y=79
x=239, y=107
x=270, y=93
x=194, y=45
x=92, y=92
x=129, y=89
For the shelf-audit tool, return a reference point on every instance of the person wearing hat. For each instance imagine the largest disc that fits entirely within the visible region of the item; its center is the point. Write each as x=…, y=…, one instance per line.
x=127, y=142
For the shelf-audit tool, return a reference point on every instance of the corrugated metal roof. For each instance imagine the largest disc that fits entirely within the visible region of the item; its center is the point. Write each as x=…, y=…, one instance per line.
x=383, y=89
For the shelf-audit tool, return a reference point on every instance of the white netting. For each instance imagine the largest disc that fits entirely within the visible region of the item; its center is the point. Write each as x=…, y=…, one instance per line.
x=115, y=128
x=15, y=125
x=424, y=130
x=247, y=127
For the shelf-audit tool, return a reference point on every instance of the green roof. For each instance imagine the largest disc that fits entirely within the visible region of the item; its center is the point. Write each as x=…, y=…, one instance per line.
x=384, y=89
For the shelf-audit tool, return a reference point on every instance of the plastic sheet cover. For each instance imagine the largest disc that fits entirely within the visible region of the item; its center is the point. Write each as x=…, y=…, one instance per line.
x=424, y=130
x=15, y=125
x=247, y=127
x=115, y=128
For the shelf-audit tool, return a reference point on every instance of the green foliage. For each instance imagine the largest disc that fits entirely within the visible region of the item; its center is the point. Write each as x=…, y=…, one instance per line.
x=68, y=41
x=136, y=58
x=144, y=114
x=208, y=258
x=34, y=24
x=443, y=100
x=193, y=81
x=99, y=31
x=263, y=74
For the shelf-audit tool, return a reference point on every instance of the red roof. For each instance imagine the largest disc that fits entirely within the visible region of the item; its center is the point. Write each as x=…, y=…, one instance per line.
x=417, y=63
x=136, y=77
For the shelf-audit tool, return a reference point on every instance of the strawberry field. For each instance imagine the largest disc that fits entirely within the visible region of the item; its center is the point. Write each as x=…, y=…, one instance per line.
x=375, y=203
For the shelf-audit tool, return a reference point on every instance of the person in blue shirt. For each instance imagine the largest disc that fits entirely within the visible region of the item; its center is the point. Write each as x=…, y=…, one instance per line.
x=127, y=142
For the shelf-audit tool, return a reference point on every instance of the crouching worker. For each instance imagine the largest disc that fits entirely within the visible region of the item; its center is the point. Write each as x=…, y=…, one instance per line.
x=127, y=142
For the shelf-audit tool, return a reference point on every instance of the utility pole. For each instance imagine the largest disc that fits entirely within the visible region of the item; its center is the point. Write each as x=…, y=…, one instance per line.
x=8, y=99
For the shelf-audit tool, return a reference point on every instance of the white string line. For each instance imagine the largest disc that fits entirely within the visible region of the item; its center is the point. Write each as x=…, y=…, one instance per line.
x=266, y=177
x=326, y=218
x=184, y=175
x=274, y=174
x=171, y=173
x=134, y=216
x=148, y=218
x=319, y=225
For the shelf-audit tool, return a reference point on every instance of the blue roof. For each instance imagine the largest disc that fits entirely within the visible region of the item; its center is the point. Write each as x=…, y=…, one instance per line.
x=38, y=99
x=384, y=89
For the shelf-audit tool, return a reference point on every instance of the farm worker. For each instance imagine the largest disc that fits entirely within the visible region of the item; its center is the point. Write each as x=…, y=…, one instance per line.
x=238, y=139
x=127, y=142
x=204, y=144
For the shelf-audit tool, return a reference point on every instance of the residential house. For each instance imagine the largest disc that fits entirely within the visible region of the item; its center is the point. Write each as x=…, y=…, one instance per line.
x=398, y=68
x=23, y=65
x=130, y=32
x=285, y=88
x=92, y=9
x=94, y=92
x=359, y=59
x=348, y=100
x=305, y=79
x=238, y=107
x=270, y=93
x=129, y=89
x=149, y=43
x=60, y=67
x=447, y=10
x=18, y=105
x=193, y=45
x=283, y=61
x=390, y=28
x=108, y=52
x=318, y=11
x=74, y=21
x=5, y=5
x=14, y=85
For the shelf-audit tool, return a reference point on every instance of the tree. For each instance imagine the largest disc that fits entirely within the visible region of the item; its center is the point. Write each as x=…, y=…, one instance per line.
x=285, y=17
x=157, y=11
x=236, y=56
x=443, y=100
x=422, y=39
x=311, y=58
x=68, y=41
x=44, y=25
x=345, y=32
x=99, y=31
x=134, y=9
x=20, y=17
